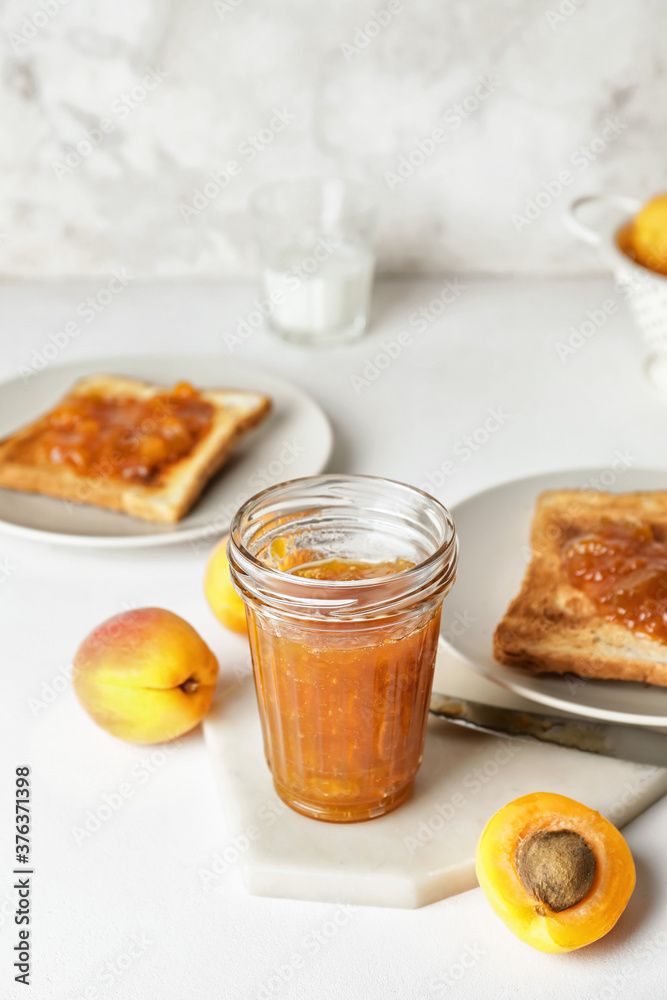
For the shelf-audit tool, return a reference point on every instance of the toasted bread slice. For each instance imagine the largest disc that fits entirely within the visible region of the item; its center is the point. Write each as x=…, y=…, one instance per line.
x=166, y=498
x=554, y=627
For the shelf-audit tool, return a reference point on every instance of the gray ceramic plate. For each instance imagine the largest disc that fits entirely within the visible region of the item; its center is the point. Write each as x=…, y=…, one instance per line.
x=294, y=441
x=494, y=529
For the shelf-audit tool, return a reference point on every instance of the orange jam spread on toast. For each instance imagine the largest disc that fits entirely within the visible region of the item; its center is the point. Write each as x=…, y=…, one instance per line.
x=622, y=568
x=344, y=705
x=122, y=437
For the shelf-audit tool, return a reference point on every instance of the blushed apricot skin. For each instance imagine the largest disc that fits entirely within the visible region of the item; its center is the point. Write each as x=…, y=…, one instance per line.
x=225, y=603
x=145, y=676
x=530, y=920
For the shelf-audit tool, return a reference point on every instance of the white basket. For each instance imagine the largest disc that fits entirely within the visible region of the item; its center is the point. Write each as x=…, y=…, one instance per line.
x=644, y=290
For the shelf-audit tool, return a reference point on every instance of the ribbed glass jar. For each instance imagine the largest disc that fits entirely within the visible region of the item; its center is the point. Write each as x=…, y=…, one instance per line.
x=343, y=665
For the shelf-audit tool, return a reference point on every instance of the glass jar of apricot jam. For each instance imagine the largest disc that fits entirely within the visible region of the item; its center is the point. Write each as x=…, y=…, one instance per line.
x=343, y=579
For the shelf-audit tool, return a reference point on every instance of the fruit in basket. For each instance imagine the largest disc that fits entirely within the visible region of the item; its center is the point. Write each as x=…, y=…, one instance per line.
x=225, y=603
x=556, y=872
x=145, y=676
x=649, y=235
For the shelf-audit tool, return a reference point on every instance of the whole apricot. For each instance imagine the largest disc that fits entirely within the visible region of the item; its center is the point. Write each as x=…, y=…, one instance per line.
x=145, y=676
x=225, y=603
x=649, y=235
x=556, y=872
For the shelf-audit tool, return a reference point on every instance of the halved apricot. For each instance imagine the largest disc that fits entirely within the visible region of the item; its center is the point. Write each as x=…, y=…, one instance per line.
x=556, y=872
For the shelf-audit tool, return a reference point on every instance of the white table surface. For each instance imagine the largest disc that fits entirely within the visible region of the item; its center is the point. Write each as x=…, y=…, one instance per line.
x=129, y=912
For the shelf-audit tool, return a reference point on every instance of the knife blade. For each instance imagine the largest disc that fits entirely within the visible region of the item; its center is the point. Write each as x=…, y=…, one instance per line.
x=624, y=742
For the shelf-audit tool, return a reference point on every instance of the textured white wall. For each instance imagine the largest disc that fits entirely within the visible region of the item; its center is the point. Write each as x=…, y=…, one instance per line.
x=362, y=88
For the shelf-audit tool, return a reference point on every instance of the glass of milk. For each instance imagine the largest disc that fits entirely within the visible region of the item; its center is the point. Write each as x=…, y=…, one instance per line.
x=316, y=244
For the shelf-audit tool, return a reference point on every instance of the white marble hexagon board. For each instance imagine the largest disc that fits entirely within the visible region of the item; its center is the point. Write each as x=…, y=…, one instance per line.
x=424, y=851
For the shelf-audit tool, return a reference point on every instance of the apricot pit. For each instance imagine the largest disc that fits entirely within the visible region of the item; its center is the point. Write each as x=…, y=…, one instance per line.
x=557, y=867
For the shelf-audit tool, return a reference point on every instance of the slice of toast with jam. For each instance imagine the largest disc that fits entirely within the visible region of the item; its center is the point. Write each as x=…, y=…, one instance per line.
x=594, y=598
x=129, y=445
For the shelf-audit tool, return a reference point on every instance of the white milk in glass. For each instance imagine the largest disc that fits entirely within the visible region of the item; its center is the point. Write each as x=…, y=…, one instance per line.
x=320, y=299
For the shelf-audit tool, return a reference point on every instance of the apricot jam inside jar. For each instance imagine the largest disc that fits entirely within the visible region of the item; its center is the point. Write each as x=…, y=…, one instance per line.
x=343, y=579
